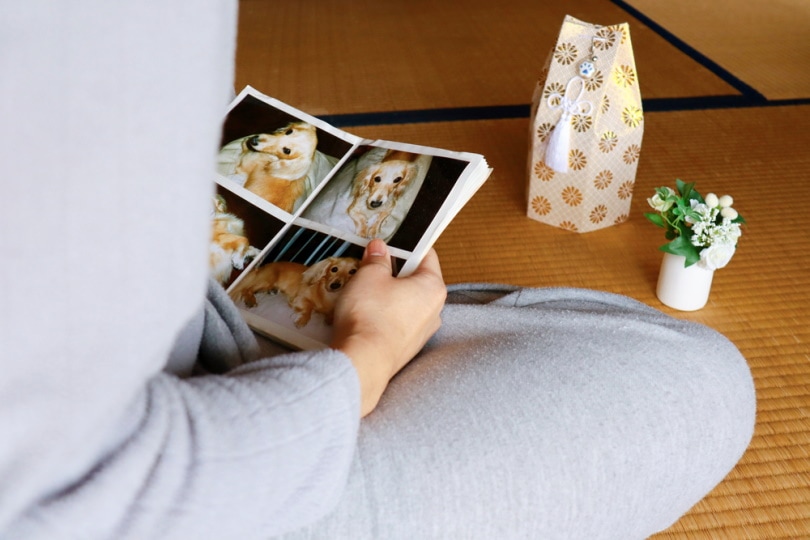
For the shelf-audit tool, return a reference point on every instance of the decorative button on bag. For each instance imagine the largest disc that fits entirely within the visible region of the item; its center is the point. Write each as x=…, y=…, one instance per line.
x=585, y=130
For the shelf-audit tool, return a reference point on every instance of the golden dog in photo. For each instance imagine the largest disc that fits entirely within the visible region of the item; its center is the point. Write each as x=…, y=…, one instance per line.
x=229, y=247
x=308, y=290
x=376, y=190
x=276, y=164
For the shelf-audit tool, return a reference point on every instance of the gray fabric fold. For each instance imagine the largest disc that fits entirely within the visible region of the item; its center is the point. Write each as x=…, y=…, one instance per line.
x=548, y=413
x=227, y=341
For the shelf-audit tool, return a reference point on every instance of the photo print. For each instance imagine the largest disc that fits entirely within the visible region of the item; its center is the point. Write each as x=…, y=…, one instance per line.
x=375, y=193
x=239, y=231
x=276, y=155
x=299, y=280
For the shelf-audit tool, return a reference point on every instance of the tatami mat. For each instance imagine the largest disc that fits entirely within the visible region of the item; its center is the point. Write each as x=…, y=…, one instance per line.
x=333, y=57
x=762, y=43
x=761, y=301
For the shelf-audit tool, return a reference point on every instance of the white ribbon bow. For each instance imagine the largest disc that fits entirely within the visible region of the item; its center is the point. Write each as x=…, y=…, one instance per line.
x=559, y=141
x=568, y=105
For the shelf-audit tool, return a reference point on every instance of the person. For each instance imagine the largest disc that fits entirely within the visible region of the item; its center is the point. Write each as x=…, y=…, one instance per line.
x=527, y=413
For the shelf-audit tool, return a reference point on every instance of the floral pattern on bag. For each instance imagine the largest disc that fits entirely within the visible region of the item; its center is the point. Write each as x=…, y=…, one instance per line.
x=605, y=136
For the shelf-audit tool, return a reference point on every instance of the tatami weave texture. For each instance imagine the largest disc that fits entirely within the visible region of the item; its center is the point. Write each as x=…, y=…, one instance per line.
x=762, y=43
x=336, y=56
x=340, y=57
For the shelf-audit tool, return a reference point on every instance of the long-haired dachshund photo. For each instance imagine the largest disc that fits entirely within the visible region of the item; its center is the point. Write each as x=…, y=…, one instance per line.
x=276, y=164
x=308, y=290
x=229, y=247
x=377, y=188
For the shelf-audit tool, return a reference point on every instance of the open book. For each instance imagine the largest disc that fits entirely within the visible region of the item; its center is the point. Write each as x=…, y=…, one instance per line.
x=297, y=200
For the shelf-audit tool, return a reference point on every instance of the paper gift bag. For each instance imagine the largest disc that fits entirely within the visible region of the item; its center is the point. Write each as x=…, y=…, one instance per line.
x=585, y=130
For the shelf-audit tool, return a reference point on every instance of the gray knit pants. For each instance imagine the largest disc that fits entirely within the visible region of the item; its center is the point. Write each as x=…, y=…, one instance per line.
x=545, y=414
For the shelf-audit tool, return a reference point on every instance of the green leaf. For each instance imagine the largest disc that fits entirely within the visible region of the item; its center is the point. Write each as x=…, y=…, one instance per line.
x=692, y=257
x=683, y=188
x=683, y=229
x=678, y=246
x=655, y=219
x=682, y=246
x=687, y=191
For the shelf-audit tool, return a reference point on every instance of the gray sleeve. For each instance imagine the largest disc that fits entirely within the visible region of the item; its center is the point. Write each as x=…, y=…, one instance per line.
x=548, y=413
x=258, y=451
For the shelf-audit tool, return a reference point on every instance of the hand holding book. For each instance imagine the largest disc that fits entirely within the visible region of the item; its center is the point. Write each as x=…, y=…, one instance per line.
x=380, y=340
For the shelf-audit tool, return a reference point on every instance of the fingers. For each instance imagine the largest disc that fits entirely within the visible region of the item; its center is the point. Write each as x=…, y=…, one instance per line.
x=430, y=265
x=377, y=253
x=427, y=277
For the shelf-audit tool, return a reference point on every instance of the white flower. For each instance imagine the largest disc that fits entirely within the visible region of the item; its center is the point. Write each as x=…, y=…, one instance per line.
x=706, y=214
x=716, y=256
x=702, y=226
x=726, y=201
x=711, y=200
x=659, y=204
x=726, y=233
x=708, y=234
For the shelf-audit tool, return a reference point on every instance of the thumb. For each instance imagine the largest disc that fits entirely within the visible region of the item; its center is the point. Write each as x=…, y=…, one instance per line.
x=377, y=253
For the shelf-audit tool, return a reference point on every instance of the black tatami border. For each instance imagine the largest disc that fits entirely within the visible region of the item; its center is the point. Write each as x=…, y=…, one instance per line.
x=747, y=97
x=505, y=112
x=746, y=90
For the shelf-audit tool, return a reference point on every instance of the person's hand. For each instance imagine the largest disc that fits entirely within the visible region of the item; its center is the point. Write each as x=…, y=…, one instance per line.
x=382, y=322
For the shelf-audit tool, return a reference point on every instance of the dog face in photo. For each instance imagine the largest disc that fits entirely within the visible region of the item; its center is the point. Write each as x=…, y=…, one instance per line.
x=331, y=274
x=320, y=285
x=377, y=189
x=276, y=164
x=229, y=247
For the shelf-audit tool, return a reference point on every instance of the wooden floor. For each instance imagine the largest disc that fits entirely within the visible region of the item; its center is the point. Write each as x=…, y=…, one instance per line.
x=726, y=95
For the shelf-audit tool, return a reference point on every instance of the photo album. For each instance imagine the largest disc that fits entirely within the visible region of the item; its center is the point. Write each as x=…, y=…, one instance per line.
x=298, y=199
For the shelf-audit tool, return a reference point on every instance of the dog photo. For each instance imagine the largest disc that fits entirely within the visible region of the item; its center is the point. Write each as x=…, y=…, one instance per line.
x=239, y=231
x=299, y=281
x=275, y=155
x=229, y=248
x=372, y=192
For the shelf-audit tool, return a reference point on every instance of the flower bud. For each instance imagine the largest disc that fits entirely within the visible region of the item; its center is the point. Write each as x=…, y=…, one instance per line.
x=729, y=213
x=711, y=200
x=726, y=201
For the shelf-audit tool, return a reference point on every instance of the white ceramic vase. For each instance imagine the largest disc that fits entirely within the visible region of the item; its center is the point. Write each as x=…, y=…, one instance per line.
x=682, y=288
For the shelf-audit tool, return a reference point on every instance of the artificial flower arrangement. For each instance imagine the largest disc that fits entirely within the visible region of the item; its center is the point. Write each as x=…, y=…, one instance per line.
x=703, y=230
